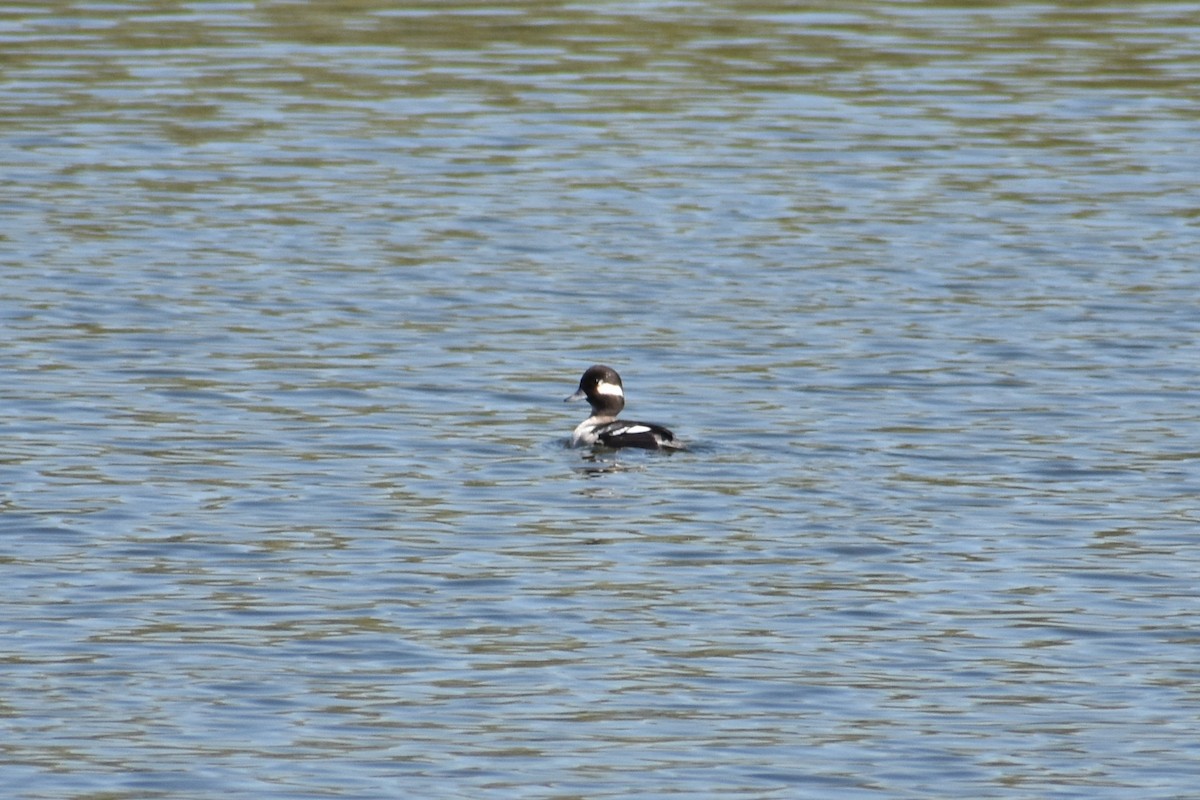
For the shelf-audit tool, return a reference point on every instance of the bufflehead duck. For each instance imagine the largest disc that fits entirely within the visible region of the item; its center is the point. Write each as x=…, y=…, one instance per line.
x=601, y=386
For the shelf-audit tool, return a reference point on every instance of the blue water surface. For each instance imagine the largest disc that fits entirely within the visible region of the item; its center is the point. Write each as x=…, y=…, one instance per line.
x=291, y=294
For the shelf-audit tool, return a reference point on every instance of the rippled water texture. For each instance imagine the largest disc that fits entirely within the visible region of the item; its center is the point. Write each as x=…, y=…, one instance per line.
x=290, y=296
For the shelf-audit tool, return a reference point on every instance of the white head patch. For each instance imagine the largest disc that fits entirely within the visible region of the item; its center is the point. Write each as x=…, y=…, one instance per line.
x=604, y=387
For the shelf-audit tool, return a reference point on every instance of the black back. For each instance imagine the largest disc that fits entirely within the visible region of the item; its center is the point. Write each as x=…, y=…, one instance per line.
x=649, y=437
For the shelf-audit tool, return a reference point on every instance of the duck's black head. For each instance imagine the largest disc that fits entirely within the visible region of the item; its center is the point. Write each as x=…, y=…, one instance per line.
x=601, y=386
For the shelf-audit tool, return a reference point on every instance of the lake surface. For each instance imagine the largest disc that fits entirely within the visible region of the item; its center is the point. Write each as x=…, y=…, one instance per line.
x=291, y=294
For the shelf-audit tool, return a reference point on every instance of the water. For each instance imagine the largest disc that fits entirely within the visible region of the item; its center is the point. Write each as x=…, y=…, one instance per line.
x=291, y=294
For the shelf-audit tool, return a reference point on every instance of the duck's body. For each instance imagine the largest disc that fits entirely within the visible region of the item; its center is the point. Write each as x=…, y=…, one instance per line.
x=602, y=388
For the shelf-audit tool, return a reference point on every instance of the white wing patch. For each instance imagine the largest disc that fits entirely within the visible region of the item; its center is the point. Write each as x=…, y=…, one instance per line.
x=604, y=387
x=632, y=429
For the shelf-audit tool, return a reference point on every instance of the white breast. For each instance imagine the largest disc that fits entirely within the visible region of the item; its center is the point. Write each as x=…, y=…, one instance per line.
x=585, y=432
